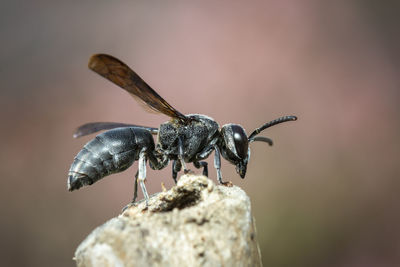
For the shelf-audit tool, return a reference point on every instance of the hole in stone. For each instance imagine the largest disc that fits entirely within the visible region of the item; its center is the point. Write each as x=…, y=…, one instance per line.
x=182, y=200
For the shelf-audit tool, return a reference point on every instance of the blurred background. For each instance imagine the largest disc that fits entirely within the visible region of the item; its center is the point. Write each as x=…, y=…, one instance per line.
x=326, y=193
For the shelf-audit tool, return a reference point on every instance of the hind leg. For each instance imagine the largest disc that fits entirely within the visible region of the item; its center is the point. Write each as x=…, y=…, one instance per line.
x=142, y=175
x=136, y=186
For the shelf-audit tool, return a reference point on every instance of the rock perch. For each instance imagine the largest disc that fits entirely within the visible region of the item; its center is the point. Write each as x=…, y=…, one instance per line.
x=196, y=223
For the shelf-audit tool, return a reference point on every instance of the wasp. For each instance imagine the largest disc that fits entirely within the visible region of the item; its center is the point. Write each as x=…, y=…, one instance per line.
x=183, y=139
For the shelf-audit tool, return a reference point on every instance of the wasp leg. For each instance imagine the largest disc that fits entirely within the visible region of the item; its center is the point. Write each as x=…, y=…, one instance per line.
x=203, y=154
x=142, y=175
x=134, y=192
x=203, y=164
x=176, y=167
x=174, y=173
x=136, y=186
x=156, y=163
x=217, y=165
x=180, y=155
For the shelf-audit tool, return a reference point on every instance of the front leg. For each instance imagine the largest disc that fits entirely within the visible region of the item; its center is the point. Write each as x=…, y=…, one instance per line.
x=217, y=165
x=207, y=150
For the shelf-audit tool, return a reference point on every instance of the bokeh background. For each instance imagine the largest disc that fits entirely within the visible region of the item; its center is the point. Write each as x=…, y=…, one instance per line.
x=327, y=192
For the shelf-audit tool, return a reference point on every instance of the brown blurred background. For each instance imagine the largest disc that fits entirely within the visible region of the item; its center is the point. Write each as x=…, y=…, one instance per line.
x=327, y=192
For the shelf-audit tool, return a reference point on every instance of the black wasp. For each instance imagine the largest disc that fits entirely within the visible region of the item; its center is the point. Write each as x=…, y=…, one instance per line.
x=183, y=139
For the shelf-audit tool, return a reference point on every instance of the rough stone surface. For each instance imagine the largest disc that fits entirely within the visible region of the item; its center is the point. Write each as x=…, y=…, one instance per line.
x=196, y=223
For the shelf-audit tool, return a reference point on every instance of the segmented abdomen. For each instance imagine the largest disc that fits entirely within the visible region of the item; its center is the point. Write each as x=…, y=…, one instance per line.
x=109, y=152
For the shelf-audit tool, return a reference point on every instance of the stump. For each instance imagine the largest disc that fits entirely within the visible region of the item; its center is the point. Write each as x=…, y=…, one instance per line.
x=195, y=223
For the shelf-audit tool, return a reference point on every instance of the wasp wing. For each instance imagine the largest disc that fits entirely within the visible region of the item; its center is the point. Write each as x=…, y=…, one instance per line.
x=119, y=73
x=92, y=127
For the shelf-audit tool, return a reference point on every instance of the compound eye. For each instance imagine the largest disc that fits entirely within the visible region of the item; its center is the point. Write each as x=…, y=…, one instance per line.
x=241, y=141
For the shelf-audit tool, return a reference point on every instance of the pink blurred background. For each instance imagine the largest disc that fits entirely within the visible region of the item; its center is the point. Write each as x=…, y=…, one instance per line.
x=326, y=194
